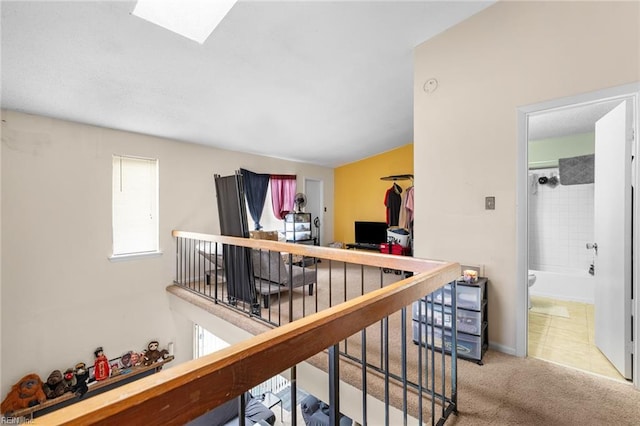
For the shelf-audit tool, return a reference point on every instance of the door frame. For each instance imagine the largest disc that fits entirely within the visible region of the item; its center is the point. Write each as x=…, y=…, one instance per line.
x=631, y=91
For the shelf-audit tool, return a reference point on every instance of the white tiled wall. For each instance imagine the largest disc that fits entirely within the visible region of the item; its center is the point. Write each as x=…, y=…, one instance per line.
x=560, y=225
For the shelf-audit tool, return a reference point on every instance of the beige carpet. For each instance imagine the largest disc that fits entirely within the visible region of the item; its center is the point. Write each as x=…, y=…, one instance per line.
x=514, y=391
x=506, y=390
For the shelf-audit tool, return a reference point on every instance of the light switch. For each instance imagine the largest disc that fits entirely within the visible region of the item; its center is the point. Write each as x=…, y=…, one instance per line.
x=489, y=203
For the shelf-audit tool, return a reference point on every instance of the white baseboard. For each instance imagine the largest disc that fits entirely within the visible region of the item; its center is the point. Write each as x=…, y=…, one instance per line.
x=502, y=348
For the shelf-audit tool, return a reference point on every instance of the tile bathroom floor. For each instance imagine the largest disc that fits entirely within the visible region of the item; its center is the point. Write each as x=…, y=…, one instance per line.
x=563, y=332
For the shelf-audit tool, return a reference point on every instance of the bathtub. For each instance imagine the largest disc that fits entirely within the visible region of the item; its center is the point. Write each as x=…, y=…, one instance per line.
x=572, y=285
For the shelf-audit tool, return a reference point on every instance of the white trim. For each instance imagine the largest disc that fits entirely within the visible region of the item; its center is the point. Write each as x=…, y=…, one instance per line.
x=635, y=182
x=502, y=348
x=133, y=256
x=626, y=91
x=522, y=236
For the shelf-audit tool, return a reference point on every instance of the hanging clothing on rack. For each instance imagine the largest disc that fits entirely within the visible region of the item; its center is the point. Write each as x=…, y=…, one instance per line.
x=393, y=202
x=402, y=217
x=408, y=208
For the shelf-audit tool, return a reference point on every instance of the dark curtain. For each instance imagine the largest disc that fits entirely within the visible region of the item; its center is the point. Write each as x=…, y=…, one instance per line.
x=256, y=191
x=233, y=222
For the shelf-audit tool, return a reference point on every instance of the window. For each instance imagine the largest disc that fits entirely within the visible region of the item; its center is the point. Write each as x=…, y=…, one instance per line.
x=135, y=206
x=206, y=342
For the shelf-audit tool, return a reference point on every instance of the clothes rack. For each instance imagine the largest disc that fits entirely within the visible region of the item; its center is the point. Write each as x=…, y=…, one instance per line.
x=398, y=177
x=391, y=212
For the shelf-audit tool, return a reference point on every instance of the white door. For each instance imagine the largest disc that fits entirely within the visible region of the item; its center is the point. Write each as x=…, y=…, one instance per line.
x=612, y=222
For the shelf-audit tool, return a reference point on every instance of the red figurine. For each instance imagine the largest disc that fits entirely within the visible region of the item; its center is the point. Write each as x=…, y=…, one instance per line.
x=101, y=365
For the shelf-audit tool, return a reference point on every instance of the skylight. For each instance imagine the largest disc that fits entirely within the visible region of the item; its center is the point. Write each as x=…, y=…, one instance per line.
x=194, y=19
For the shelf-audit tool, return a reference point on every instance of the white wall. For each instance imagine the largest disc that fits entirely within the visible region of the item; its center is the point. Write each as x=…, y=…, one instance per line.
x=61, y=296
x=509, y=55
x=560, y=225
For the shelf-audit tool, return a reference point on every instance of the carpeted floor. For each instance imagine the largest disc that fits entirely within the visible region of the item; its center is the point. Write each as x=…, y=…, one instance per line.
x=506, y=390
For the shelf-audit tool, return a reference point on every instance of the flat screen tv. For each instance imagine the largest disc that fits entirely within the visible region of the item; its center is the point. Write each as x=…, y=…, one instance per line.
x=371, y=232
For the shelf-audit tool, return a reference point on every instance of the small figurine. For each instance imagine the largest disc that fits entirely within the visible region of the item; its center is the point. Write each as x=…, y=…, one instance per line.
x=101, y=365
x=26, y=393
x=125, y=360
x=54, y=386
x=82, y=376
x=153, y=354
x=69, y=380
x=115, y=369
x=136, y=358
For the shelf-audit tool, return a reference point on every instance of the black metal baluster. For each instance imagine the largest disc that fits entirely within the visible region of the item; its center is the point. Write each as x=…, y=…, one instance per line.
x=381, y=324
x=419, y=339
x=364, y=376
x=403, y=361
x=293, y=397
x=454, y=344
x=290, y=287
x=315, y=293
x=344, y=285
x=216, y=267
x=198, y=265
x=241, y=409
x=334, y=384
x=431, y=333
x=187, y=264
x=177, y=277
x=385, y=350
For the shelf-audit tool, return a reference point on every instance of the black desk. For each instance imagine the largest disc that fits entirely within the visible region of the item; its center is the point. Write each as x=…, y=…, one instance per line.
x=363, y=246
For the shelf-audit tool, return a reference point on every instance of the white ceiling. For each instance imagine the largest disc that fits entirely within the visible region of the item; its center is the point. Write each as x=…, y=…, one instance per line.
x=315, y=81
x=568, y=121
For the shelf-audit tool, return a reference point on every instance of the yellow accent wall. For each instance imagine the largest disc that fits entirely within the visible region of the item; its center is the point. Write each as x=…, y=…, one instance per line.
x=359, y=192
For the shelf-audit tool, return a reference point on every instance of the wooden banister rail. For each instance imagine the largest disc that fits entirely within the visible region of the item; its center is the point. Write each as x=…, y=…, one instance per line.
x=405, y=263
x=188, y=390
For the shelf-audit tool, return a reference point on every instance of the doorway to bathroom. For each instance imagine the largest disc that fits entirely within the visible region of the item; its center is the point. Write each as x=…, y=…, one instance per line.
x=578, y=298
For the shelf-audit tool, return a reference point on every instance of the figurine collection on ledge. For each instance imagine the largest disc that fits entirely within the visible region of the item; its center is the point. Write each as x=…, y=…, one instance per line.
x=31, y=391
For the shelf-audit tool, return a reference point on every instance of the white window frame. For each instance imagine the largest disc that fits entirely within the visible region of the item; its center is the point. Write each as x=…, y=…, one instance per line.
x=121, y=249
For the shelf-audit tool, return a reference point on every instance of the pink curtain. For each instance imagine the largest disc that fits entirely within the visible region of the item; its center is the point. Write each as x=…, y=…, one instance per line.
x=283, y=191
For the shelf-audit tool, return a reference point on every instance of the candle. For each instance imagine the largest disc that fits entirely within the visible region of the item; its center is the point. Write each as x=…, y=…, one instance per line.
x=470, y=275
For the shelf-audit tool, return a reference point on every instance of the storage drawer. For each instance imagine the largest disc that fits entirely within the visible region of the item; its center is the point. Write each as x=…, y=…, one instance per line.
x=468, y=346
x=467, y=321
x=298, y=235
x=298, y=217
x=469, y=296
x=297, y=227
x=424, y=314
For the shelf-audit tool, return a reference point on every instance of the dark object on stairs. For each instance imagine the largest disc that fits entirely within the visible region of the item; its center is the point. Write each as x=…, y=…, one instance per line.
x=316, y=413
x=227, y=413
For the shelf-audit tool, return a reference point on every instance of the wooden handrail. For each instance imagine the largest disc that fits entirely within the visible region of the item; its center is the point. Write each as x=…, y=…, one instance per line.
x=188, y=390
x=404, y=263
